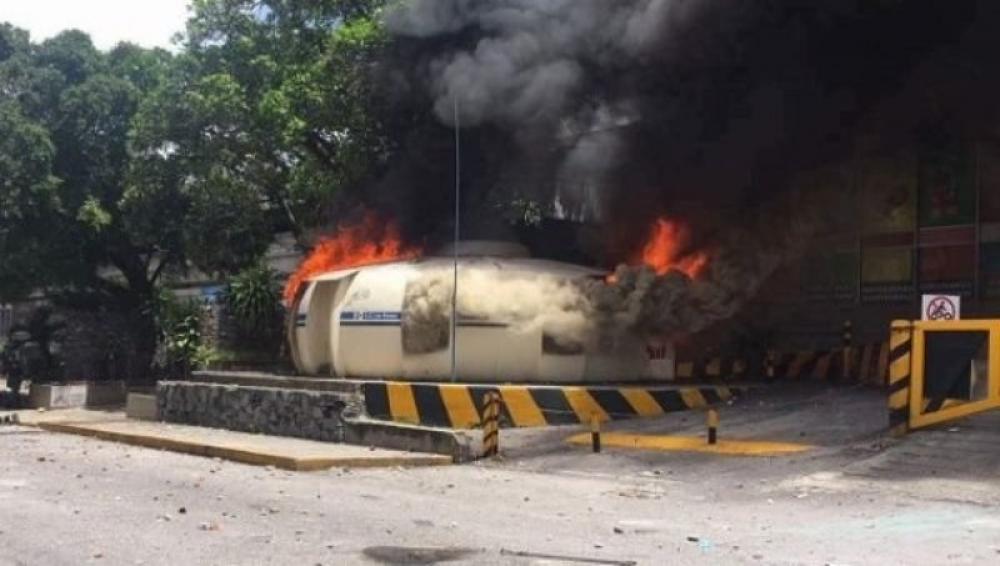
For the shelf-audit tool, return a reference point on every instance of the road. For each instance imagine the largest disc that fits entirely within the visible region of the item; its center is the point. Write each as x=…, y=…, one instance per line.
x=73, y=500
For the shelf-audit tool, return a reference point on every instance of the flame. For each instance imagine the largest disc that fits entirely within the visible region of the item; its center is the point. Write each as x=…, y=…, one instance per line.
x=370, y=241
x=667, y=249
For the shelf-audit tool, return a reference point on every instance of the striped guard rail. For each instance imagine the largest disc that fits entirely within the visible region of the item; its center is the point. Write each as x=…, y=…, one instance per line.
x=459, y=406
x=868, y=363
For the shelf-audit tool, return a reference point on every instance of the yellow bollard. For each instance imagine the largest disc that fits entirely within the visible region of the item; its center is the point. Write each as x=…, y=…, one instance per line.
x=713, y=425
x=491, y=424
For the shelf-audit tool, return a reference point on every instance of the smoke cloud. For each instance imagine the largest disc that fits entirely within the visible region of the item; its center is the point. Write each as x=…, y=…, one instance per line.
x=627, y=109
x=525, y=301
x=532, y=58
x=577, y=312
x=535, y=68
x=620, y=111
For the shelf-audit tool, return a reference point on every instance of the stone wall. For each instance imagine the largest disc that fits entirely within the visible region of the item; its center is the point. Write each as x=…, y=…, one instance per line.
x=316, y=415
x=83, y=345
x=98, y=346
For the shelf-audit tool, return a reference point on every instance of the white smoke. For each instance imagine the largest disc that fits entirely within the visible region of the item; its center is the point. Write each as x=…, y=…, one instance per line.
x=525, y=301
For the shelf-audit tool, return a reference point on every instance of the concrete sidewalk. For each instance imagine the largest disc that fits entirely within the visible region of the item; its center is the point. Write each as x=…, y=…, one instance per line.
x=280, y=452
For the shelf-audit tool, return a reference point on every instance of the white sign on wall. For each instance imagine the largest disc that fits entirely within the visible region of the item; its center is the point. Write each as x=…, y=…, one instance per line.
x=941, y=307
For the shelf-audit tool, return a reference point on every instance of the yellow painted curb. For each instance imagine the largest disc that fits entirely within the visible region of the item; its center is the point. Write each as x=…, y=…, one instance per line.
x=246, y=456
x=693, y=444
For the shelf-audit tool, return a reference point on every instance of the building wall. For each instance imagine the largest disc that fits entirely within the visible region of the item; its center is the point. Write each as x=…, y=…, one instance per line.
x=897, y=222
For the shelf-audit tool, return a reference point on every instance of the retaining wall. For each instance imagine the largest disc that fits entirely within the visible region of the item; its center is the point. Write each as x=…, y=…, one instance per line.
x=316, y=415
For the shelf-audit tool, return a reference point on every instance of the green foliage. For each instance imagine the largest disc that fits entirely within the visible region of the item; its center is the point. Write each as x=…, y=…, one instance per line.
x=232, y=232
x=205, y=357
x=179, y=327
x=275, y=97
x=117, y=167
x=27, y=198
x=93, y=215
x=182, y=338
x=253, y=298
x=66, y=110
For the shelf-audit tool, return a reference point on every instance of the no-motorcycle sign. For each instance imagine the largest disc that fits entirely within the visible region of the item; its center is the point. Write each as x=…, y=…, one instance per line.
x=941, y=307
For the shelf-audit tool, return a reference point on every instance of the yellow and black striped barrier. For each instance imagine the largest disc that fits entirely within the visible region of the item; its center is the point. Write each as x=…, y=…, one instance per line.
x=850, y=364
x=942, y=370
x=460, y=406
x=900, y=366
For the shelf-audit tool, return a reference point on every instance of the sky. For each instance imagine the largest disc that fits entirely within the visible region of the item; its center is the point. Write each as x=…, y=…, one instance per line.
x=150, y=23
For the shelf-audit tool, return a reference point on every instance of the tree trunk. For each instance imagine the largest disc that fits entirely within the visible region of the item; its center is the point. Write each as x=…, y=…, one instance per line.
x=140, y=303
x=145, y=339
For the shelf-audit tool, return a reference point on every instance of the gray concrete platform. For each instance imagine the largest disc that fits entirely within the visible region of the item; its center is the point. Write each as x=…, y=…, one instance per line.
x=280, y=452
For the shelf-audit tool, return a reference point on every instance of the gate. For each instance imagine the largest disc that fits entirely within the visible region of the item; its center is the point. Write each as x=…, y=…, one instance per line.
x=942, y=370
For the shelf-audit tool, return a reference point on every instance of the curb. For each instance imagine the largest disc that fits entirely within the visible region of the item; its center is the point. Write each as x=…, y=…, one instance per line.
x=243, y=455
x=458, y=446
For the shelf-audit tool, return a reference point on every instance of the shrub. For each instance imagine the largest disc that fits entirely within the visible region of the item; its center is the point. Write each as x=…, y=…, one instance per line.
x=179, y=327
x=253, y=299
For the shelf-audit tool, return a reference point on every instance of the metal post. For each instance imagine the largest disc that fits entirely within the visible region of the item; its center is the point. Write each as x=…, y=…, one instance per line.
x=454, y=283
x=848, y=338
x=713, y=425
x=977, y=290
x=915, y=252
x=595, y=433
x=491, y=424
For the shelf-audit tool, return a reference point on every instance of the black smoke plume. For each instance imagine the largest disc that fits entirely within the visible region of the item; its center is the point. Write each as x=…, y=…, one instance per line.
x=618, y=111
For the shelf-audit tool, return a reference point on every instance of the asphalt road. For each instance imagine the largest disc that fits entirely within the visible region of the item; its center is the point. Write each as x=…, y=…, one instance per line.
x=72, y=500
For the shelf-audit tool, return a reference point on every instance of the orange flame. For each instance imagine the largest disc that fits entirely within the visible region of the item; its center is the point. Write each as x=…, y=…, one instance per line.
x=370, y=241
x=667, y=249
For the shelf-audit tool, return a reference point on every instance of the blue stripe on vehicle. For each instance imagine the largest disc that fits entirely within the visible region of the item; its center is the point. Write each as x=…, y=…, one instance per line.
x=370, y=318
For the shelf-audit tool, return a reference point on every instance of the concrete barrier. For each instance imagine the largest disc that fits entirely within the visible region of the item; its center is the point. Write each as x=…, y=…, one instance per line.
x=76, y=394
x=326, y=414
x=141, y=406
x=461, y=446
x=309, y=414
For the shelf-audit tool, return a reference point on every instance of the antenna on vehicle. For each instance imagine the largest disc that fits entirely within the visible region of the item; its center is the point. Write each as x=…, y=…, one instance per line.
x=454, y=283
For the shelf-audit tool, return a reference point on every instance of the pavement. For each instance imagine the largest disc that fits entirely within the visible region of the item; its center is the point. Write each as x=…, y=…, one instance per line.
x=280, y=452
x=855, y=498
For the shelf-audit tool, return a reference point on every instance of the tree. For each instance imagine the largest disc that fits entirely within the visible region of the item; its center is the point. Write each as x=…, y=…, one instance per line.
x=27, y=197
x=66, y=110
x=274, y=101
x=118, y=167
